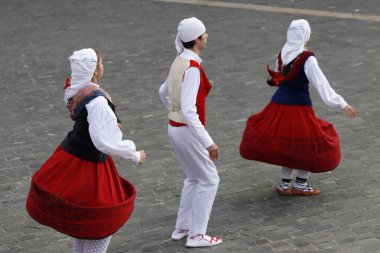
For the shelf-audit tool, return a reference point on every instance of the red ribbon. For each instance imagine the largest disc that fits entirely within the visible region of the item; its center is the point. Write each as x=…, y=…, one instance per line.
x=68, y=83
x=276, y=77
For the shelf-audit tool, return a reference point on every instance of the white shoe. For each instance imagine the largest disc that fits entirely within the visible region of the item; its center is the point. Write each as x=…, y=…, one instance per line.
x=178, y=234
x=202, y=241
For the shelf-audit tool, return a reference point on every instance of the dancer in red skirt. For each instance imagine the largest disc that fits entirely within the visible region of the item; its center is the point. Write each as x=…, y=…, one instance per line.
x=78, y=190
x=287, y=132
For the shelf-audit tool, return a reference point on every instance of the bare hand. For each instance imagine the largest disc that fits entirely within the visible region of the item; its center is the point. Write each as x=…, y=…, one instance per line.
x=350, y=111
x=213, y=152
x=142, y=156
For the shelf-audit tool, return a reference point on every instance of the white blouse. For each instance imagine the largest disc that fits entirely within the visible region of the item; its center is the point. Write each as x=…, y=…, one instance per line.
x=318, y=80
x=189, y=92
x=105, y=132
x=322, y=85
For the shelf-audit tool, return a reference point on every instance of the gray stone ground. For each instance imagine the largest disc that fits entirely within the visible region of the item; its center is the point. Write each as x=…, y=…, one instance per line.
x=136, y=39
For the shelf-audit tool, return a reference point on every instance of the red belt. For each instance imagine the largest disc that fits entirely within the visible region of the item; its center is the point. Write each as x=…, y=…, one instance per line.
x=176, y=124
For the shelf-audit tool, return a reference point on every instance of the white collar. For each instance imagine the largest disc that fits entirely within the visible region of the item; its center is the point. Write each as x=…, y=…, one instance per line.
x=190, y=55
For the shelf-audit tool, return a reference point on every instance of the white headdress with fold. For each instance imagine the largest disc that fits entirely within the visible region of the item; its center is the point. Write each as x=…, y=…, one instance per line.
x=83, y=65
x=188, y=29
x=297, y=36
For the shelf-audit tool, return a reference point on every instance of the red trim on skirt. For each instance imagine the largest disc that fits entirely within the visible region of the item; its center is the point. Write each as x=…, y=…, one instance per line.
x=291, y=136
x=82, y=199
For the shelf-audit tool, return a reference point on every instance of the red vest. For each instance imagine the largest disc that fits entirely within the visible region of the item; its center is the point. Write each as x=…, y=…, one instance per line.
x=204, y=89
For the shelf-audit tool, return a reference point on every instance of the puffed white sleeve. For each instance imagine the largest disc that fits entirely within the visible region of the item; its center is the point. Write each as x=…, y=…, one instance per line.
x=105, y=132
x=190, y=87
x=164, y=95
x=316, y=77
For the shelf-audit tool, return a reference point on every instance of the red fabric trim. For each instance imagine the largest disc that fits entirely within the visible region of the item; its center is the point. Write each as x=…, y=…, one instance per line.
x=279, y=61
x=68, y=83
x=194, y=64
x=291, y=136
x=298, y=64
x=277, y=77
x=82, y=94
x=80, y=198
x=176, y=124
x=204, y=89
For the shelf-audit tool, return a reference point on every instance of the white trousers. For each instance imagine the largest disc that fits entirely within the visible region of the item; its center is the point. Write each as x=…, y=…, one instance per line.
x=201, y=181
x=287, y=173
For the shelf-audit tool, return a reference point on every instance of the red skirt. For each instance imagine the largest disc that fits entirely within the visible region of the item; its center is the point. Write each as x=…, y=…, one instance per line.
x=291, y=136
x=82, y=199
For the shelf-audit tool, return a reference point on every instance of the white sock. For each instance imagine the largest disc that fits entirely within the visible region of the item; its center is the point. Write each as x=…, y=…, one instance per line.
x=286, y=173
x=78, y=245
x=303, y=174
x=96, y=246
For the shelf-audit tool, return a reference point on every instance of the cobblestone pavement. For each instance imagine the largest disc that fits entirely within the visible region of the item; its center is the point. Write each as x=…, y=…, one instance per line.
x=136, y=39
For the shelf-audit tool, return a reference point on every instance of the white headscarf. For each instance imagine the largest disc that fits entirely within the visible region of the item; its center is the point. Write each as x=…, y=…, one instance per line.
x=297, y=36
x=83, y=65
x=188, y=29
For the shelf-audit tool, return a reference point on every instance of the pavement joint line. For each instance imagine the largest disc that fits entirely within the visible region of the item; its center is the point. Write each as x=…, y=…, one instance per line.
x=276, y=9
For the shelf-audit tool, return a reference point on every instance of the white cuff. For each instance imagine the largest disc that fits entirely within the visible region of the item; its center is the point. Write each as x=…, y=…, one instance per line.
x=207, y=142
x=136, y=158
x=343, y=105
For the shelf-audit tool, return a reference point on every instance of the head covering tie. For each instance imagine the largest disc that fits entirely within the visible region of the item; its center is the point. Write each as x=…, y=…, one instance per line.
x=83, y=65
x=297, y=36
x=188, y=29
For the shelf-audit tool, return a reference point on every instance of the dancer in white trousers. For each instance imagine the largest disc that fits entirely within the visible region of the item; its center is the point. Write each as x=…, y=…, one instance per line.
x=184, y=94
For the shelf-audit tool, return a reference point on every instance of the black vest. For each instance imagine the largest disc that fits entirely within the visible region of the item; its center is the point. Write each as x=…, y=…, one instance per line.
x=296, y=91
x=78, y=141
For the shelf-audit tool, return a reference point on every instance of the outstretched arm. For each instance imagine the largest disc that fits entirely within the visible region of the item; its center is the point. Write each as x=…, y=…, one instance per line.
x=105, y=133
x=316, y=78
